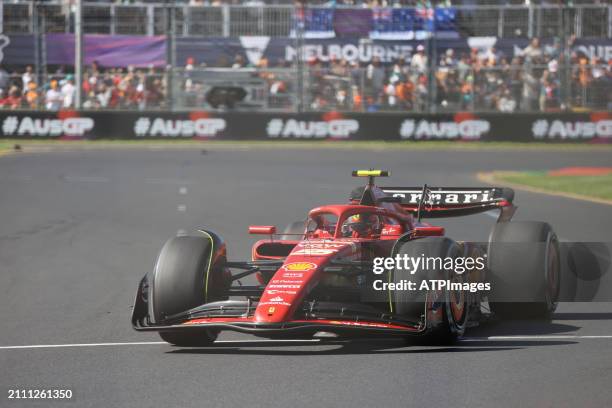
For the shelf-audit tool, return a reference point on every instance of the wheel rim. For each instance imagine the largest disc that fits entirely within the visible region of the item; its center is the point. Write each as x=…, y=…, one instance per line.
x=457, y=302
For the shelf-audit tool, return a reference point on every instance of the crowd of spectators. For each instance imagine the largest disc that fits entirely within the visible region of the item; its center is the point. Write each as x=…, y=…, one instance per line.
x=112, y=88
x=536, y=79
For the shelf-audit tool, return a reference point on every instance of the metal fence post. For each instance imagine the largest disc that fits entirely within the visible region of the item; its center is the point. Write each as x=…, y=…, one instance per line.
x=565, y=89
x=530, y=22
x=299, y=42
x=432, y=65
x=67, y=18
x=225, y=12
x=170, y=53
x=186, y=21
x=78, y=53
x=43, y=48
x=472, y=94
x=578, y=22
x=31, y=13
x=150, y=20
x=37, y=48
x=609, y=21
x=113, y=18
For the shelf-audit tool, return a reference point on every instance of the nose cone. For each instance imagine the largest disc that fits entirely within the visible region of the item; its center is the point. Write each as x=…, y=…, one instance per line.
x=296, y=278
x=286, y=290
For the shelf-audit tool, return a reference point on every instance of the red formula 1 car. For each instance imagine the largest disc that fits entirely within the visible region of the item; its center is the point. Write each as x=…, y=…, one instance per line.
x=320, y=275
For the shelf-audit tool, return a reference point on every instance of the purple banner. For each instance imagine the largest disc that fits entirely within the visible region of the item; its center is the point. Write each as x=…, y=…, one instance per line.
x=108, y=50
x=353, y=22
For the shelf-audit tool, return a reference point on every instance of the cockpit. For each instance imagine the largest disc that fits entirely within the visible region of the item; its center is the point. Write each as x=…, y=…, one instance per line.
x=351, y=222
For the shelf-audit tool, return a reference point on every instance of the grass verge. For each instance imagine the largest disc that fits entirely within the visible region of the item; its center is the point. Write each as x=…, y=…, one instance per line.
x=591, y=188
x=5, y=147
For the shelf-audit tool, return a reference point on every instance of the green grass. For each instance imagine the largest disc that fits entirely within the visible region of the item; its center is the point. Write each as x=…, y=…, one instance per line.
x=5, y=146
x=590, y=186
x=296, y=144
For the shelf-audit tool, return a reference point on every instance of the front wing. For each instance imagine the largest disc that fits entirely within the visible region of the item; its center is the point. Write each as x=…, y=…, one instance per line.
x=306, y=326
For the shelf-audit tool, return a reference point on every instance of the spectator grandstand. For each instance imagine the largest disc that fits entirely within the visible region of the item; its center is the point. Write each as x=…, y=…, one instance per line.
x=398, y=56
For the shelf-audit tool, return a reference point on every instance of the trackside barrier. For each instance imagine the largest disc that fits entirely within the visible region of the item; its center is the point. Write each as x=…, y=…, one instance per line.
x=593, y=127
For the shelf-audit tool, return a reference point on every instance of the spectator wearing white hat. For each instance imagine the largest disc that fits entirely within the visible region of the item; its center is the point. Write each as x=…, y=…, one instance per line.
x=418, y=63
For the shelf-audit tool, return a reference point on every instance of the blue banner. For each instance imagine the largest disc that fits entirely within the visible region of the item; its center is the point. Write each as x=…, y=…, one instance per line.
x=17, y=49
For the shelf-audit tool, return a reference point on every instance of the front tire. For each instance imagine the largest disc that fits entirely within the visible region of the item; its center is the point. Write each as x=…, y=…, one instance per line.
x=189, y=272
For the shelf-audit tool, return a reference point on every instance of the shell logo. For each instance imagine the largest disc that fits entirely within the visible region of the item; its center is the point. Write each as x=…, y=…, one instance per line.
x=299, y=266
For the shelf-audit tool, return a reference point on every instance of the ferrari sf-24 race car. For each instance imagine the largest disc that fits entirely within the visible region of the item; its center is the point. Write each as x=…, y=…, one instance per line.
x=317, y=276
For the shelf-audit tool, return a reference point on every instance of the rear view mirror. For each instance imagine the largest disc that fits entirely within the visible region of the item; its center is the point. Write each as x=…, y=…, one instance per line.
x=428, y=231
x=262, y=229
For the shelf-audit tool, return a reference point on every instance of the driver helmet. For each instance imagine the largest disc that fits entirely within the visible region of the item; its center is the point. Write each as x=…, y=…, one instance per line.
x=363, y=224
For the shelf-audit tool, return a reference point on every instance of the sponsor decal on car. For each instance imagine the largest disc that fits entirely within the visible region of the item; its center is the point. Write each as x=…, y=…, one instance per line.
x=159, y=127
x=299, y=266
x=283, y=286
x=320, y=245
x=314, y=251
x=277, y=292
x=292, y=275
x=278, y=300
x=311, y=129
x=27, y=126
x=289, y=281
x=276, y=303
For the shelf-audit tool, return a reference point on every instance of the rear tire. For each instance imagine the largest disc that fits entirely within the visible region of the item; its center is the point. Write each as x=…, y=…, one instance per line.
x=412, y=304
x=524, y=262
x=190, y=271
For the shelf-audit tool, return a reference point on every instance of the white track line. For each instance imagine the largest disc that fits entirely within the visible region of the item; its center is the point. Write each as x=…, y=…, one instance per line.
x=36, y=346
x=239, y=342
x=148, y=343
x=87, y=179
x=539, y=337
x=171, y=181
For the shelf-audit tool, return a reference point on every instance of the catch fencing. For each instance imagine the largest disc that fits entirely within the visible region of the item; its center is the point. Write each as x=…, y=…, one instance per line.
x=23, y=16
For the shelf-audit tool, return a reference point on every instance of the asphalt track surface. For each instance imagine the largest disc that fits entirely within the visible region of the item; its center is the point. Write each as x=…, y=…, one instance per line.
x=79, y=229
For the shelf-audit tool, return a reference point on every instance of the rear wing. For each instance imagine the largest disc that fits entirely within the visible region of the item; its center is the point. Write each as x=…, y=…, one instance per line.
x=438, y=202
x=433, y=202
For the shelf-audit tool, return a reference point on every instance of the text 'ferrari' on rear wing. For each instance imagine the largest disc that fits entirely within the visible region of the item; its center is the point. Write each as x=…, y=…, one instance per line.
x=451, y=201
